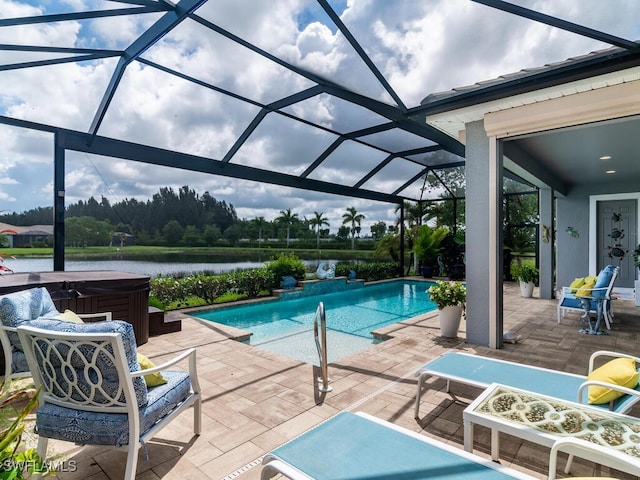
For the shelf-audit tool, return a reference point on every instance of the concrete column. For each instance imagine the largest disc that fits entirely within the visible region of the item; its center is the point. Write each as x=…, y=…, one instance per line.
x=483, y=172
x=545, y=242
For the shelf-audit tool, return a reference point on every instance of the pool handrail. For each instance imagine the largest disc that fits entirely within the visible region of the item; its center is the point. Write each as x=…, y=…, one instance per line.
x=321, y=345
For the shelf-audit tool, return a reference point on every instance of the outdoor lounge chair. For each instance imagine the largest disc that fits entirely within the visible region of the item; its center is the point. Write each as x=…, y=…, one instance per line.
x=479, y=371
x=358, y=445
x=93, y=391
x=596, y=300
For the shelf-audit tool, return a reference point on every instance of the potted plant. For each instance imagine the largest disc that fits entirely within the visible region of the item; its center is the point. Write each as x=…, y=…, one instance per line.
x=450, y=297
x=527, y=275
x=426, y=247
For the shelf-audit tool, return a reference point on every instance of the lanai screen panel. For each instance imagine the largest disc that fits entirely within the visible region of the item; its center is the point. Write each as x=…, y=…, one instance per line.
x=196, y=124
x=397, y=140
x=445, y=183
x=335, y=114
x=77, y=87
x=318, y=47
x=225, y=64
x=348, y=163
x=282, y=144
x=393, y=176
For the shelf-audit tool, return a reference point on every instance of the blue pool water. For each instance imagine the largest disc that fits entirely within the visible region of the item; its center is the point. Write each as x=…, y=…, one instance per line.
x=286, y=326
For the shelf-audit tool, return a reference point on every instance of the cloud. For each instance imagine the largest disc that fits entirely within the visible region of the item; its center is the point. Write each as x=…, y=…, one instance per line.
x=420, y=46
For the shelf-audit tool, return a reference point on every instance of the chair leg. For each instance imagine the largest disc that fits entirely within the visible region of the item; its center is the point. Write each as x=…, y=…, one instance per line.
x=416, y=413
x=43, y=442
x=197, y=417
x=132, y=461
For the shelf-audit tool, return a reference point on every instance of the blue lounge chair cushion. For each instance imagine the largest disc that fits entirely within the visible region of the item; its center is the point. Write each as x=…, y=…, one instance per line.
x=20, y=307
x=86, y=379
x=96, y=428
x=603, y=280
x=349, y=446
x=570, y=301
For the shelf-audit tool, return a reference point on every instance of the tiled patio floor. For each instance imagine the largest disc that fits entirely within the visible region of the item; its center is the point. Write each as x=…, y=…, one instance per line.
x=255, y=401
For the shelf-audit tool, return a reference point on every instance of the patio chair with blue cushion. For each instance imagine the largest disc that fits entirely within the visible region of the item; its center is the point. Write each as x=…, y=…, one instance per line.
x=361, y=446
x=601, y=387
x=590, y=298
x=20, y=307
x=93, y=391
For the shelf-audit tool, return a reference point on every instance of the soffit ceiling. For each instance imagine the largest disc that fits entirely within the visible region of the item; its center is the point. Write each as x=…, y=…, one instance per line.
x=387, y=145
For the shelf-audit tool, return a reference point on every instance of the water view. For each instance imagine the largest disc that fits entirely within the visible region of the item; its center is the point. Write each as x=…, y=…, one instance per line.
x=153, y=267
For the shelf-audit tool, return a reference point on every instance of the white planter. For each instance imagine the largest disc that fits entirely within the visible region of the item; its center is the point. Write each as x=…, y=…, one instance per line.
x=526, y=289
x=450, y=320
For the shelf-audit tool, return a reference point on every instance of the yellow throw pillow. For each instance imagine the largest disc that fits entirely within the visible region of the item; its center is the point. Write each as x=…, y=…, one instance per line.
x=69, y=316
x=577, y=283
x=621, y=371
x=153, y=379
x=585, y=289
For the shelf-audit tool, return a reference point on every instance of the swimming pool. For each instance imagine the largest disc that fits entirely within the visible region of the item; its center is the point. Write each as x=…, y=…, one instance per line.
x=286, y=326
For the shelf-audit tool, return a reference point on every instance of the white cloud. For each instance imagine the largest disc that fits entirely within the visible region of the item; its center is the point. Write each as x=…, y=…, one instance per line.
x=420, y=46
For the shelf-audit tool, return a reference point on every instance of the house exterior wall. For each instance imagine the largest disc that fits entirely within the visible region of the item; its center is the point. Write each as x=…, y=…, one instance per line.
x=575, y=257
x=572, y=252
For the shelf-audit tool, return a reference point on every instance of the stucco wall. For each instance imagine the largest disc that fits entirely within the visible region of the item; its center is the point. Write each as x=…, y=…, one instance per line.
x=573, y=252
x=477, y=234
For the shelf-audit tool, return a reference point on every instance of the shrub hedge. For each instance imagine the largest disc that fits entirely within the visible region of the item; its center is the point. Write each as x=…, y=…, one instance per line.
x=166, y=291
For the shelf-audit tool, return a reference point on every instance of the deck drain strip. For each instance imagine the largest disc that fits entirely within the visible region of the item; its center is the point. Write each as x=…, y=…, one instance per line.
x=258, y=461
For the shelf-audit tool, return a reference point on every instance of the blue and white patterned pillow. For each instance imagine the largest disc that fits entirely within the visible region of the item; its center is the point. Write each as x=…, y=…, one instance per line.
x=87, y=379
x=20, y=307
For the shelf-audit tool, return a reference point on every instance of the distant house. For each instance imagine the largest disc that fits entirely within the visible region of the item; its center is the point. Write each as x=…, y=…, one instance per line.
x=26, y=236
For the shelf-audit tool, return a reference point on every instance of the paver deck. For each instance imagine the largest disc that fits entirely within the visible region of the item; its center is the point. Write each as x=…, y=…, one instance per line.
x=255, y=400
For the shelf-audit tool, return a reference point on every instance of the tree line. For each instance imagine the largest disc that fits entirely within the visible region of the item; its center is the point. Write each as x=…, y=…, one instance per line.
x=185, y=218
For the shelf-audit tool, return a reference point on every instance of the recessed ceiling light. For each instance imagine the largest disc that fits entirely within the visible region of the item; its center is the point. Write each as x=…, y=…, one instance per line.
x=605, y=157
x=609, y=172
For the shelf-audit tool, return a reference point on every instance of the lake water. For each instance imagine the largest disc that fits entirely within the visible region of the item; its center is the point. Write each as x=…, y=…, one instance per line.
x=152, y=268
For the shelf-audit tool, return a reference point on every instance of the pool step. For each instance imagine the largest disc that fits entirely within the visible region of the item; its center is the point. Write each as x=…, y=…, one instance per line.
x=159, y=323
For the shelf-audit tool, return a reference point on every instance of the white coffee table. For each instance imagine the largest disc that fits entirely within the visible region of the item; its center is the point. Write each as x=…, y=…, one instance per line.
x=543, y=420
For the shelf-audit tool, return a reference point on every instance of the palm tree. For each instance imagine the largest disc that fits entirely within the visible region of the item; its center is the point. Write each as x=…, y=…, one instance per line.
x=414, y=213
x=260, y=223
x=317, y=222
x=352, y=218
x=286, y=217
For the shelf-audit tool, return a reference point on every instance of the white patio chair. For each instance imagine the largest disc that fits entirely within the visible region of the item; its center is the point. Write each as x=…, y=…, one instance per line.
x=93, y=392
x=598, y=300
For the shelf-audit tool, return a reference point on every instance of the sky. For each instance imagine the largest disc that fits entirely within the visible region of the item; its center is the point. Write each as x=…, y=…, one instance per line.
x=420, y=46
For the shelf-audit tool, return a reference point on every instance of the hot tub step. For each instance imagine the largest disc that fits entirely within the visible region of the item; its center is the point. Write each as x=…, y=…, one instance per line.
x=159, y=323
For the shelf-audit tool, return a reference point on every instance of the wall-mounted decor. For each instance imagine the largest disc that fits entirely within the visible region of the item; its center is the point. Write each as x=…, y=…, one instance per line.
x=573, y=232
x=616, y=250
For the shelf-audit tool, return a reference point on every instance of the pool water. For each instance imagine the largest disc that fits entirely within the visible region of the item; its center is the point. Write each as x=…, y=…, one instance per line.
x=286, y=326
